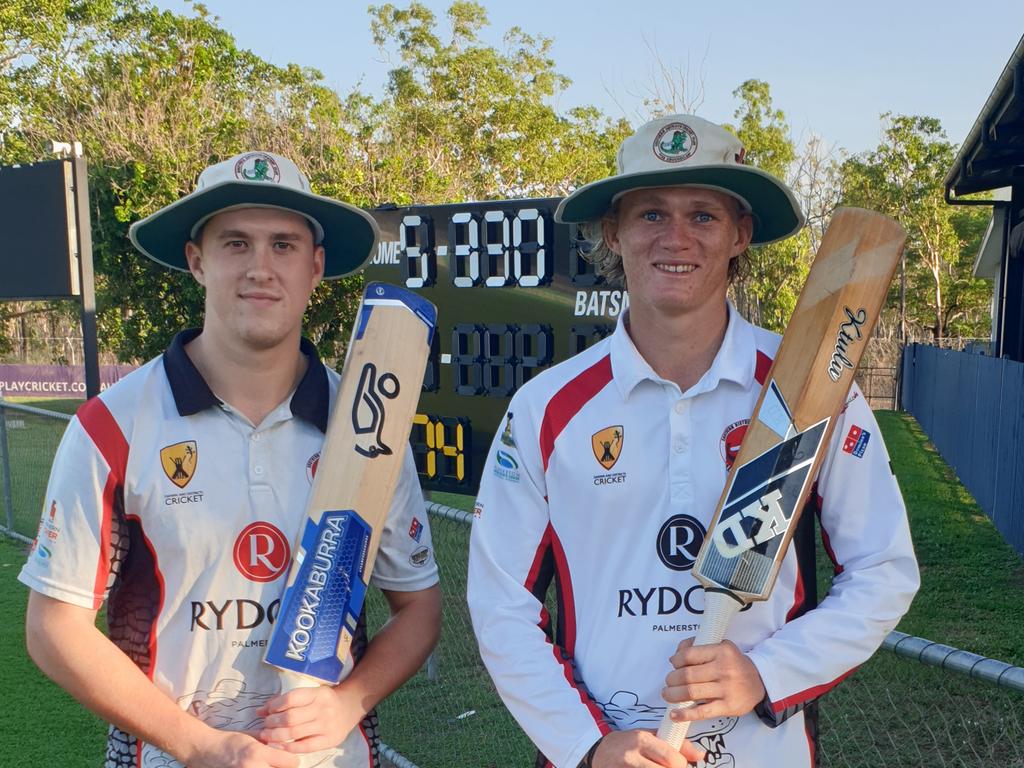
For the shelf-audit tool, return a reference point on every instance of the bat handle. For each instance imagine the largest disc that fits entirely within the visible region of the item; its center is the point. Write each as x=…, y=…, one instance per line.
x=719, y=608
x=292, y=680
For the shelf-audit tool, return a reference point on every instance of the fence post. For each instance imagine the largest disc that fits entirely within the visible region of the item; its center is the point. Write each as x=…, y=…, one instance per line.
x=5, y=468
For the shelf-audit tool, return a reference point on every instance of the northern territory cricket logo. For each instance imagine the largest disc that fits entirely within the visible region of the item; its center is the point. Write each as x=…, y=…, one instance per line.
x=849, y=332
x=257, y=166
x=762, y=500
x=675, y=142
x=179, y=462
x=607, y=445
x=368, y=412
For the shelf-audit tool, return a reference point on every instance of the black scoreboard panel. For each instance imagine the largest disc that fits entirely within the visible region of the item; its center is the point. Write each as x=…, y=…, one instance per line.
x=514, y=296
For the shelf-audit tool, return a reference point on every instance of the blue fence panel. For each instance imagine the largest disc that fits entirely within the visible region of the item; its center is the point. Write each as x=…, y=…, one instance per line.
x=984, y=433
x=1008, y=515
x=972, y=409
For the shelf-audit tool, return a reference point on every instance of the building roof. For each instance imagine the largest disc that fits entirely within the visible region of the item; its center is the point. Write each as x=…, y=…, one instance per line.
x=995, y=144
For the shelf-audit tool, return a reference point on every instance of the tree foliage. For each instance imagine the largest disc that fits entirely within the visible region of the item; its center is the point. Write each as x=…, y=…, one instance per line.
x=904, y=177
x=766, y=290
x=155, y=97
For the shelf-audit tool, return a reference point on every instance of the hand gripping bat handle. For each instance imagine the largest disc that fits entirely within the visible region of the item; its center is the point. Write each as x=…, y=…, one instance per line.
x=719, y=608
x=289, y=682
x=292, y=680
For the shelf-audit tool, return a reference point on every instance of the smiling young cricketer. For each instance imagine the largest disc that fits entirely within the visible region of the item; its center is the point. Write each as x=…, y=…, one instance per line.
x=610, y=469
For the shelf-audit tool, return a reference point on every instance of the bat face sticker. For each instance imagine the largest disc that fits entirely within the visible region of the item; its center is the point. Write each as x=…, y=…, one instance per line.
x=369, y=412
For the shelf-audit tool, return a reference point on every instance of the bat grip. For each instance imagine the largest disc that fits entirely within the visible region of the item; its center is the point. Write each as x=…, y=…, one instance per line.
x=292, y=680
x=719, y=608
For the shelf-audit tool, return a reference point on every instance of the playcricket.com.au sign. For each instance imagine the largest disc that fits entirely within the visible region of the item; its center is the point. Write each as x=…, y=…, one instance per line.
x=54, y=380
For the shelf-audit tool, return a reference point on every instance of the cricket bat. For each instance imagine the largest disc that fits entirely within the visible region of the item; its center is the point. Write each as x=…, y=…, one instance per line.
x=792, y=422
x=356, y=477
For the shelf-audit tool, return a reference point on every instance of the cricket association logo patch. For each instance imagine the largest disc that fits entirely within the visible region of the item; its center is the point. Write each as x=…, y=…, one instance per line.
x=607, y=445
x=179, y=462
x=675, y=143
x=257, y=166
x=732, y=438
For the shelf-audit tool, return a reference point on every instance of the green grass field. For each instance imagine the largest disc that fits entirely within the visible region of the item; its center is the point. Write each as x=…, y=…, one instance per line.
x=892, y=711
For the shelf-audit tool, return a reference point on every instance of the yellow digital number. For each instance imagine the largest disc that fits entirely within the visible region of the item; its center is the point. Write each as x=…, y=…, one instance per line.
x=435, y=437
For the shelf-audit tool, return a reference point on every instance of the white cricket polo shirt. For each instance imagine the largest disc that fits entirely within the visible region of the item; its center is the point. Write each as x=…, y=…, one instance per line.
x=605, y=479
x=172, y=508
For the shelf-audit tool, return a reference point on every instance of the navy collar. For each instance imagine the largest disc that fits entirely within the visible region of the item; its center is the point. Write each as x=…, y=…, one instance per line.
x=192, y=394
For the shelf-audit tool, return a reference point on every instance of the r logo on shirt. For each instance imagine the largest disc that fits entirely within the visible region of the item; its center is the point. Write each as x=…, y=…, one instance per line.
x=679, y=542
x=261, y=552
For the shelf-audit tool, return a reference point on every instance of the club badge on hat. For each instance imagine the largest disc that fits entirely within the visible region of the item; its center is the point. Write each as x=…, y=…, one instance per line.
x=258, y=180
x=685, y=150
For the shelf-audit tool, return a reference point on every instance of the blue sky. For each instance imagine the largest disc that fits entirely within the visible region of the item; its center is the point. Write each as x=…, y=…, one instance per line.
x=832, y=71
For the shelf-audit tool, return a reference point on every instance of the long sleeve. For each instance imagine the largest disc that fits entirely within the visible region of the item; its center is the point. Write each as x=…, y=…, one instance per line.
x=514, y=554
x=865, y=531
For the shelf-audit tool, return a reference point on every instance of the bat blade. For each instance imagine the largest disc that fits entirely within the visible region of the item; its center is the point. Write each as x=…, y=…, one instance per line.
x=356, y=478
x=793, y=420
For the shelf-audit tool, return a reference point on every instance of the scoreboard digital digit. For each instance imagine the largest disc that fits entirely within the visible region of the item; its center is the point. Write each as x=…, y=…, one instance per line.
x=514, y=296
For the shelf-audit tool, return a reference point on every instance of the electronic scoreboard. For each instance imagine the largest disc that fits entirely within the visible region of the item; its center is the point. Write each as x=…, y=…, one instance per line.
x=514, y=296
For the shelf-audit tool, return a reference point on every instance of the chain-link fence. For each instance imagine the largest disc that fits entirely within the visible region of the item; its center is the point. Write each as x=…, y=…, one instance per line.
x=28, y=441
x=915, y=703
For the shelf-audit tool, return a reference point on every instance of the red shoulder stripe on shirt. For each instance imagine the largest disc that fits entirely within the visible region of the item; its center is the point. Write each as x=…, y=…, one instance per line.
x=551, y=554
x=811, y=693
x=106, y=435
x=568, y=401
x=764, y=364
x=567, y=616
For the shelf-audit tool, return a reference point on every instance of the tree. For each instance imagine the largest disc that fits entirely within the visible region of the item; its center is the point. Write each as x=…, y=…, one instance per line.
x=154, y=97
x=904, y=178
x=465, y=121
x=766, y=290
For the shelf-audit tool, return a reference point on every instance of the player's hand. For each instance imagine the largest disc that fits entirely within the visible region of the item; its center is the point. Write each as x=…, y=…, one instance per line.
x=309, y=719
x=642, y=749
x=233, y=749
x=720, y=677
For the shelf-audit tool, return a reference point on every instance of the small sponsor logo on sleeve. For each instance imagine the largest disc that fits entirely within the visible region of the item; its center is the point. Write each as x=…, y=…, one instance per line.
x=506, y=434
x=420, y=557
x=730, y=441
x=856, y=441
x=416, y=529
x=311, y=465
x=506, y=467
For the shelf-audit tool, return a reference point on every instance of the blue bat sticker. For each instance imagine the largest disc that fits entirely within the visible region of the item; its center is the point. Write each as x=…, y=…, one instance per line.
x=325, y=598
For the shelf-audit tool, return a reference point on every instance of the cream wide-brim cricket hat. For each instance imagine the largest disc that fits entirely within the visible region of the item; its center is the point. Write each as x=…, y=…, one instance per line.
x=258, y=180
x=685, y=150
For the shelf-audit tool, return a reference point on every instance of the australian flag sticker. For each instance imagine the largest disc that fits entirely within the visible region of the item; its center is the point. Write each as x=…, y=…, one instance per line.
x=856, y=441
x=416, y=529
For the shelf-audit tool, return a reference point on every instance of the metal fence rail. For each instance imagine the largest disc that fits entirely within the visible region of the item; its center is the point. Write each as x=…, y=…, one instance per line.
x=915, y=703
